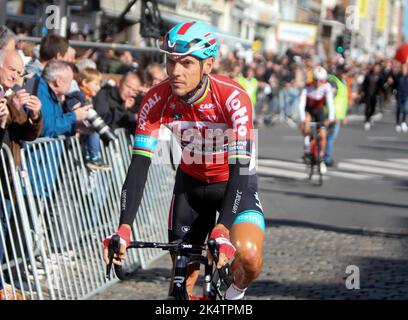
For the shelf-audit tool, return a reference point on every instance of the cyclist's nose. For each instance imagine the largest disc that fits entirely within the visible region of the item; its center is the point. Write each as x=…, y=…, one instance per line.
x=176, y=70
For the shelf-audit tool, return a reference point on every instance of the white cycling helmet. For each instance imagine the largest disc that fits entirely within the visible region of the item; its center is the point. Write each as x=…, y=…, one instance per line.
x=320, y=73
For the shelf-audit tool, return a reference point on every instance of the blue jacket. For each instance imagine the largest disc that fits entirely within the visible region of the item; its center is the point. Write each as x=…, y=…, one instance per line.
x=42, y=169
x=56, y=122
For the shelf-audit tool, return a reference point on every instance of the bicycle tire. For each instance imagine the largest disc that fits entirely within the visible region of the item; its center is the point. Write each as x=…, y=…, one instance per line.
x=318, y=160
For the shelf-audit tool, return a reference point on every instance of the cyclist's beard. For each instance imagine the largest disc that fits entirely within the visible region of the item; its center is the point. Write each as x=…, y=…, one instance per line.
x=189, y=97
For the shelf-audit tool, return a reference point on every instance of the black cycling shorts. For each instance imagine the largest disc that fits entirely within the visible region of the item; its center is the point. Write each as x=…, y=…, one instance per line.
x=317, y=115
x=194, y=204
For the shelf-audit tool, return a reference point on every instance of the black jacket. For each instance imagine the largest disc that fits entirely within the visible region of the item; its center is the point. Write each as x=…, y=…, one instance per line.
x=109, y=105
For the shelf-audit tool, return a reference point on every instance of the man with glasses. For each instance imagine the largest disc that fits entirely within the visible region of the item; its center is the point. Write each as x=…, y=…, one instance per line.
x=211, y=116
x=24, y=123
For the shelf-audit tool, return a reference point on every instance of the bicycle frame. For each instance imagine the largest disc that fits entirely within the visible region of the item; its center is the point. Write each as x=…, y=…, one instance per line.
x=184, y=254
x=315, y=150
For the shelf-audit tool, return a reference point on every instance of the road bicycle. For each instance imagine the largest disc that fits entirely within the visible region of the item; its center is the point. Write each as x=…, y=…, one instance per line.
x=216, y=281
x=313, y=159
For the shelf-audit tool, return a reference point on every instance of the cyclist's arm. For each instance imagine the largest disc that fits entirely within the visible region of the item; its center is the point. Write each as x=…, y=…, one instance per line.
x=132, y=190
x=302, y=105
x=239, y=108
x=146, y=138
x=236, y=186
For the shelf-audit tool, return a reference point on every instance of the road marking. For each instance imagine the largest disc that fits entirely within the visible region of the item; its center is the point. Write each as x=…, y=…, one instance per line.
x=281, y=173
x=372, y=169
x=350, y=175
x=281, y=164
x=383, y=138
x=403, y=161
x=354, y=169
x=378, y=163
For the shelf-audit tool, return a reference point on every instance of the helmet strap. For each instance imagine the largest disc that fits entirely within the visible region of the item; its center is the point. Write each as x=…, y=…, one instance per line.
x=190, y=97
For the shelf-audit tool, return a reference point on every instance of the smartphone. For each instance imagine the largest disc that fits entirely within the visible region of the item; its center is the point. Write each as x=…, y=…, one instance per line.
x=30, y=85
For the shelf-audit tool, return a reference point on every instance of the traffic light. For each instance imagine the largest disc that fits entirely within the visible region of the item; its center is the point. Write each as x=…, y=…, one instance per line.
x=339, y=44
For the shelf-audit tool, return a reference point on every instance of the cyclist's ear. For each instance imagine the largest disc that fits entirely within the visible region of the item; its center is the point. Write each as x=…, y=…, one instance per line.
x=208, y=65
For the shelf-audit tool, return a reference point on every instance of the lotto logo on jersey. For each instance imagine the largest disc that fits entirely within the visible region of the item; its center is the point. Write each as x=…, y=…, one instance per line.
x=144, y=112
x=239, y=117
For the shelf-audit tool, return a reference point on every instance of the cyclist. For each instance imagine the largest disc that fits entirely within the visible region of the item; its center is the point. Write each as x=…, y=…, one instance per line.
x=313, y=98
x=211, y=116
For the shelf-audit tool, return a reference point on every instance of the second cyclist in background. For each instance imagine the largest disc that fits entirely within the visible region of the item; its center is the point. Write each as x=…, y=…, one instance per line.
x=313, y=98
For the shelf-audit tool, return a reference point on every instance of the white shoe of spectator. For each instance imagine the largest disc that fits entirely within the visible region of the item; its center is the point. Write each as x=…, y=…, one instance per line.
x=404, y=127
x=367, y=126
x=398, y=128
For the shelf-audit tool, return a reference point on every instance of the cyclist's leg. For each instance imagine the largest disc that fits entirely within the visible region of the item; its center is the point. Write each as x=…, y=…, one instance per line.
x=306, y=131
x=247, y=234
x=189, y=224
x=320, y=118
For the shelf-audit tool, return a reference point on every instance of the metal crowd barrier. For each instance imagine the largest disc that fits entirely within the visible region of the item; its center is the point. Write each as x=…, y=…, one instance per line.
x=62, y=212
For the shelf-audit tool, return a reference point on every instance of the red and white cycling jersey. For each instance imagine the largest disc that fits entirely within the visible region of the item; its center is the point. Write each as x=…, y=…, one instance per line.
x=313, y=97
x=212, y=130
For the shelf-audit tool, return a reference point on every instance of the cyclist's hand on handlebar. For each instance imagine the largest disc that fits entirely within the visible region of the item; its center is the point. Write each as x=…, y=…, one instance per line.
x=225, y=247
x=124, y=233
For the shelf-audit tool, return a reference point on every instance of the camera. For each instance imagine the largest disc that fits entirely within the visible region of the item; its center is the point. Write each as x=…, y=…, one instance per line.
x=95, y=121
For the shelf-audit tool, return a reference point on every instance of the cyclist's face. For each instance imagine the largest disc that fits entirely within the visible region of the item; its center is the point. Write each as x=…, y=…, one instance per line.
x=185, y=73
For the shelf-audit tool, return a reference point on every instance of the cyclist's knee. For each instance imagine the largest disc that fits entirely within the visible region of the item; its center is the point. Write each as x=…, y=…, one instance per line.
x=250, y=261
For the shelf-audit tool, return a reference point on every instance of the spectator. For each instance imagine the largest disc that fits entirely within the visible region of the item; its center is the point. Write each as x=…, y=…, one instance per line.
x=372, y=85
x=155, y=73
x=70, y=55
x=118, y=105
x=249, y=83
x=127, y=63
x=108, y=62
x=7, y=39
x=89, y=83
x=52, y=47
x=84, y=64
x=401, y=87
x=338, y=82
x=53, y=85
x=16, y=125
x=22, y=125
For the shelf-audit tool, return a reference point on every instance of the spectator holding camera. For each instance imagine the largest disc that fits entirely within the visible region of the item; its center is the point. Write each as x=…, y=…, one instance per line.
x=89, y=81
x=53, y=85
x=20, y=120
x=25, y=121
x=118, y=105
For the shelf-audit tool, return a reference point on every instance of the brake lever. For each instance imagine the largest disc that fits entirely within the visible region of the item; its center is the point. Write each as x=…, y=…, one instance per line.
x=114, y=246
x=224, y=272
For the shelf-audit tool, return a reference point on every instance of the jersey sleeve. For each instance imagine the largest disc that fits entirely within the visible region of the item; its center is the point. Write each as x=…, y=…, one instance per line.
x=238, y=108
x=239, y=111
x=148, y=124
